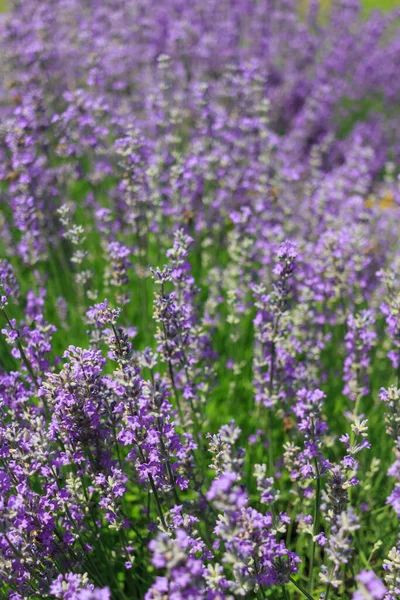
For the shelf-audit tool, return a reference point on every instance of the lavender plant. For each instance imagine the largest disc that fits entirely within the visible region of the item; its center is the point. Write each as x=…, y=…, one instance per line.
x=199, y=301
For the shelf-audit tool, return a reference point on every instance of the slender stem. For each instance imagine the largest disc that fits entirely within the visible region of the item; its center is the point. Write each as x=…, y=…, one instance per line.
x=301, y=589
x=352, y=434
x=154, y=490
x=20, y=348
x=18, y=555
x=76, y=528
x=289, y=533
x=328, y=589
x=178, y=403
x=185, y=366
x=158, y=503
x=170, y=369
x=270, y=446
x=26, y=361
x=315, y=527
x=114, y=429
x=285, y=593
x=117, y=339
x=271, y=387
x=167, y=463
x=148, y=506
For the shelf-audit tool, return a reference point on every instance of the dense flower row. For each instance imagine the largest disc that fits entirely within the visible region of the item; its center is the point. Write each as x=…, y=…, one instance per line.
x=199, y=301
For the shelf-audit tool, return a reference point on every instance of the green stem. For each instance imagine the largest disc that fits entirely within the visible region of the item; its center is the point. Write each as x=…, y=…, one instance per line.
x=328, y=589
x=18, y=555
x=76, y=528
x=158, y=503
x=289, y=533
x=270, y=447
x=271, y=388
x=178, y=403
x=117, y=339
x=301, y=589
x=315, y=527
x=20, y=348
x=154, y=490
x=26, y=361
x=167, y=463
x=285, y=594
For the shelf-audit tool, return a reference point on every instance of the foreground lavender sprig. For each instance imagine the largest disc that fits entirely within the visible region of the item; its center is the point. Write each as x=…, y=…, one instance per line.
x=369, y=586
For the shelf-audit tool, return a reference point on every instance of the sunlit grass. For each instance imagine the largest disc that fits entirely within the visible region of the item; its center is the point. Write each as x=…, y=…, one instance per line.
x=368, y=4
x=382, y=4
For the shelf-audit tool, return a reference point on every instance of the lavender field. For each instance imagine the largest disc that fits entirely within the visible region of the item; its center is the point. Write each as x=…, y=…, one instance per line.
x=199, y=300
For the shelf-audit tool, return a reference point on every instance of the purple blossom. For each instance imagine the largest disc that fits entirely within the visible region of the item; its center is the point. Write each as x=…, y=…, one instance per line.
x=369, y=586
x=359, y=340
x=77, y=587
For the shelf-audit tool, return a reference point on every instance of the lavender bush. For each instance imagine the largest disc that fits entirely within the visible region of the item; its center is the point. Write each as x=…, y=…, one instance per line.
x=200, y=301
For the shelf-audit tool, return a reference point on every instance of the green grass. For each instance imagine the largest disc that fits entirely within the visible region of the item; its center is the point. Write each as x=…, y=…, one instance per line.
x=368, y=4
x=382, y=4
